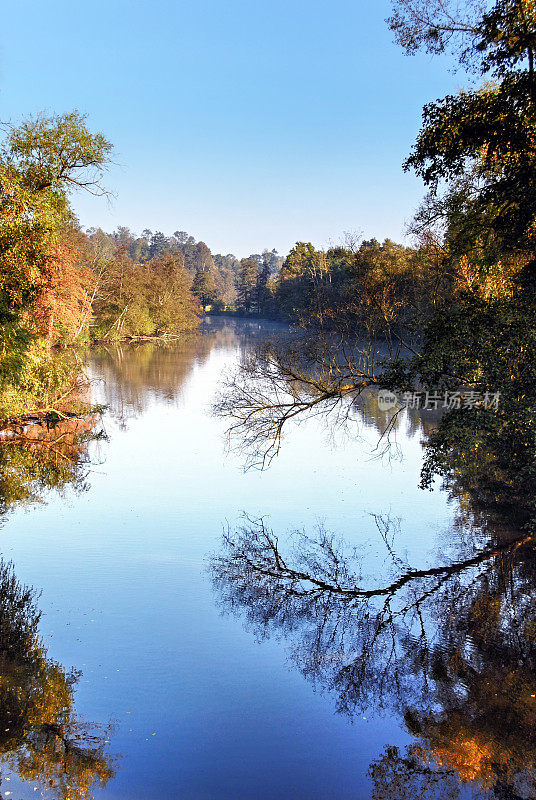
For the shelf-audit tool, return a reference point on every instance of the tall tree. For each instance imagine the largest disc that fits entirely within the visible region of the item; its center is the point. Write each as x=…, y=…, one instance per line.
x=246, y=285
x=204, y=286
x=42, y=162
x=477, y=154
x=263, y=292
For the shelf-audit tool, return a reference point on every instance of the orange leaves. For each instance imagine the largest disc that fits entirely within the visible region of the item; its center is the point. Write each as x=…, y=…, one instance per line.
x=61, y=303
x=471, y=759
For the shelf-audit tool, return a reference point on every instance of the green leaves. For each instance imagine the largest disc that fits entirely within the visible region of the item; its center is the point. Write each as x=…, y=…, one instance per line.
x=479, y=148
x=57, y=154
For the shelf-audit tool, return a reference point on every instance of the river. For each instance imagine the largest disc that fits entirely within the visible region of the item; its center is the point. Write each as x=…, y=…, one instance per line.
x=211, y=683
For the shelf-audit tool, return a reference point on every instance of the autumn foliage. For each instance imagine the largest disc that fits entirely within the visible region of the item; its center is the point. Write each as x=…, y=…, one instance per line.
x=61, y=308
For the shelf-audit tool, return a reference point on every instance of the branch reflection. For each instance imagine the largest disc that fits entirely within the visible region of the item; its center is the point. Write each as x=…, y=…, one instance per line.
x=451, y=648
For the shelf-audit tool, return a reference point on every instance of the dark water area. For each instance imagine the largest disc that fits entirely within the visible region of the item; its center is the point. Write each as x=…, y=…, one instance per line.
x=382, y=647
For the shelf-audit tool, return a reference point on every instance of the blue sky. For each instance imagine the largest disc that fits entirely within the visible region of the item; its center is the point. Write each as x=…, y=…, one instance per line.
x=247, y=123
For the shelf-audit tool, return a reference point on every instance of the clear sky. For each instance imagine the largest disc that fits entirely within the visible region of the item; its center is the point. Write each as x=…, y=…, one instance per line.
x=247, y=123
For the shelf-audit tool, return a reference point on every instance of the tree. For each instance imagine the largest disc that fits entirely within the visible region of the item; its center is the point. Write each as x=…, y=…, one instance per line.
x=293, y=287
x=41, y=163
x=197, y=256
x=483, y=136
x=61, y=309
x=477, y=154
x=227, y=267
x=436, y=25
x=42, y=285
x=145, y=299
x=263, y=292
x=171, y=304
x=246, y=285
x=158, y=244
x=204, y=286
x=181, y=237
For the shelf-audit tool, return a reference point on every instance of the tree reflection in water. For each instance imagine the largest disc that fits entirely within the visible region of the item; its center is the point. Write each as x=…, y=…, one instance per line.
x=39, y=457
x=451, y=648
x=42, y=740
x=130, y=375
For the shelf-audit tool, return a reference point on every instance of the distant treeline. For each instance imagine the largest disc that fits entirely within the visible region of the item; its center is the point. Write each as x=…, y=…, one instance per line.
x=135, y=296
x=359, y=283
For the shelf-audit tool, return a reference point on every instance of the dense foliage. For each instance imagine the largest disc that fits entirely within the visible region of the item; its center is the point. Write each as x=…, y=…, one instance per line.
x=43, y=292
x=476, y=153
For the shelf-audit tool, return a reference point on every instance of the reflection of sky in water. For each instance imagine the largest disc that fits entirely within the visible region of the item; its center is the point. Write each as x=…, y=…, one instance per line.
x=202, y=709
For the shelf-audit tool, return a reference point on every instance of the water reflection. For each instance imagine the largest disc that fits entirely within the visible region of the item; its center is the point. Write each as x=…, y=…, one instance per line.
x=388, y=426
x=288, y=377
x=129, y=376
x=42, y=741
x=476, y=721
x=447, y=647
x=452, y=648
x=39, y=457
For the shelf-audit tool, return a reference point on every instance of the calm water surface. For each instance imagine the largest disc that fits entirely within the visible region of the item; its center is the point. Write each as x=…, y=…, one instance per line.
x=211, y=695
